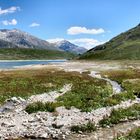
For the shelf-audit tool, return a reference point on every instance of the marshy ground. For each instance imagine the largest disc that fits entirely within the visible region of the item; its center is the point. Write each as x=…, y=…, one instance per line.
x=64, y=101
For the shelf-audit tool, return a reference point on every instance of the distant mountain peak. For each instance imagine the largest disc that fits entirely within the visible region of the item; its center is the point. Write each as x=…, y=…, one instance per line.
x=69, y=47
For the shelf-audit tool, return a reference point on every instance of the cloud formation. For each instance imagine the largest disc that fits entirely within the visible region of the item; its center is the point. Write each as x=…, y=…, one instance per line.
x=12, y=22
x=83, y=30
x=34, y=24
x=9, y=10
x=54, y=40
x=87, y=43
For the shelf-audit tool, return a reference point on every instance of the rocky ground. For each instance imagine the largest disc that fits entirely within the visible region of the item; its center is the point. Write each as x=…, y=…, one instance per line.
x=15, y=122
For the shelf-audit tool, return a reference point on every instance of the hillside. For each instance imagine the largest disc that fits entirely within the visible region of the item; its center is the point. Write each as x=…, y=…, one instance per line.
x=21, y=53
x=124, y=46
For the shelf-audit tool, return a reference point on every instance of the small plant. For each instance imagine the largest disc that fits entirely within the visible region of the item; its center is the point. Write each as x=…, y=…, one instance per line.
x=89, y=127
x=39, y=106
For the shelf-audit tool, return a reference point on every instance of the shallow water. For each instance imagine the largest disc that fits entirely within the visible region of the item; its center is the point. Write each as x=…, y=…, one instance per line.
x=10, y=64
x=116, y=86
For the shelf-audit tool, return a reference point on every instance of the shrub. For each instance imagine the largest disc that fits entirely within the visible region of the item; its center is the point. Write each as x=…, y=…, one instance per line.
x=89, y=127
x=39, y=106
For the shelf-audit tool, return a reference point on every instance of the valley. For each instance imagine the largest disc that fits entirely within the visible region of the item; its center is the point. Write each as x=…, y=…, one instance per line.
x=69, y=70
x=71, y=100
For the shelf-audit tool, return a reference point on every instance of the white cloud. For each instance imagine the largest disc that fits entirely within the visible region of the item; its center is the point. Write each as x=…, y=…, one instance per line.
x=84, y=30
x=34, y=24
x=12, y=22
x=9, y=10
x=87, y=43
x=55, y=40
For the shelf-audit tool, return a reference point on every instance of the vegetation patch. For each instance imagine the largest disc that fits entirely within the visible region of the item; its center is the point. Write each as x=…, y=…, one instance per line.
x=133, y=135
x=120, y=115
x=89, y=127
x=43, y=107
x=25, y=54
x=129, y=79
x=87, y=93
x=118, y=98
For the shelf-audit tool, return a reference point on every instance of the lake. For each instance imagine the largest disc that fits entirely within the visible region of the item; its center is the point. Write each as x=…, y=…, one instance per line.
x=10, y=64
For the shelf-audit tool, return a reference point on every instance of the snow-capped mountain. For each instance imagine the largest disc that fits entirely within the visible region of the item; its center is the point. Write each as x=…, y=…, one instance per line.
x=69, y=47
x=24, y=40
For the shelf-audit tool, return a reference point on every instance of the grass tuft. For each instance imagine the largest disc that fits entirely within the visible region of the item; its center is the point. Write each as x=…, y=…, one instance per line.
x=89, y=127
x=39, y=106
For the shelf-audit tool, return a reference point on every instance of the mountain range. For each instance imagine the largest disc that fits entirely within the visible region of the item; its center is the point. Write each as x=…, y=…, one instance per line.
x=124, y=46
x=18, y=39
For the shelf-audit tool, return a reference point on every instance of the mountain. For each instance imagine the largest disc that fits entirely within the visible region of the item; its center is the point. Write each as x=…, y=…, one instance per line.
x=16, y=44
x=124, y=46
x=6, y=44
x=69, y=47
x=24, y=40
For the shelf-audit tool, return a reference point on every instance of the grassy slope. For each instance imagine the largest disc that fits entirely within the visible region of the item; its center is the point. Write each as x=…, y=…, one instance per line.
x=124, y=46
x=15, y=53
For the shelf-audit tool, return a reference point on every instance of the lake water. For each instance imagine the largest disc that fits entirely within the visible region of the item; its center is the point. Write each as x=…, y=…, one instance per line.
x=10, y=64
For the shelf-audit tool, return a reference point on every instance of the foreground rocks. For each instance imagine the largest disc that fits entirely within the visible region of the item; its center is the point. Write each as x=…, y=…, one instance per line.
x=15, y=122
x=108, y=133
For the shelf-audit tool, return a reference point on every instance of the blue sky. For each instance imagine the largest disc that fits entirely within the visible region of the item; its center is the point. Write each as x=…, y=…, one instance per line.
x=84, y=22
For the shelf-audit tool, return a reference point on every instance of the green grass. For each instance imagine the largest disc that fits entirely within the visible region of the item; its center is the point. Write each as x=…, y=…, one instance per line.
x=43, y=107
x=120, y=115
x=89, y=127
x=117, y=98
x=87, y=93
x=17, y=54
x=25, y=83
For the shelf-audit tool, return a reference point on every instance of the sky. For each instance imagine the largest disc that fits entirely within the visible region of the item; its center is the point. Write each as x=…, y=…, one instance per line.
x=86, y=23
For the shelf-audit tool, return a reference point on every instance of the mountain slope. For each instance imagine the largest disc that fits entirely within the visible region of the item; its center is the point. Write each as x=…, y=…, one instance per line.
x=6, y=44
x=26, y=54
x=124, y=46
x=69, y=47
x=24, y=40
